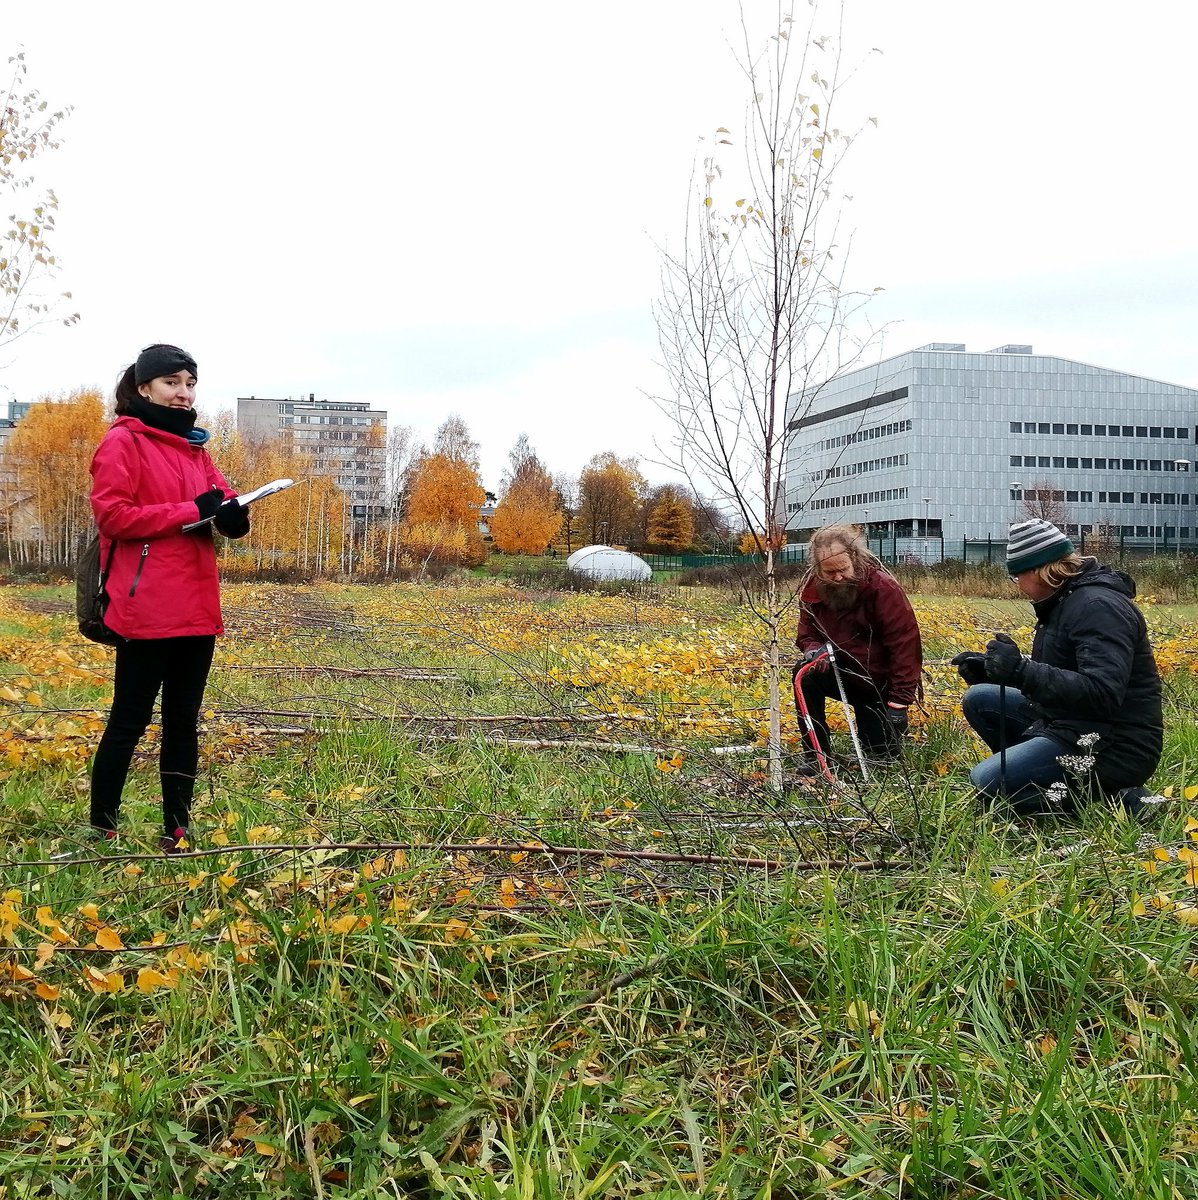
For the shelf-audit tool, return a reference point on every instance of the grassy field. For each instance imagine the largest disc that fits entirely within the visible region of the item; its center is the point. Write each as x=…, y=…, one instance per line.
x=489, y=898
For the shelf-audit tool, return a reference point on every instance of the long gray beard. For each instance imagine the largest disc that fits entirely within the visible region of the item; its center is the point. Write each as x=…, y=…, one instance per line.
x=838, y=596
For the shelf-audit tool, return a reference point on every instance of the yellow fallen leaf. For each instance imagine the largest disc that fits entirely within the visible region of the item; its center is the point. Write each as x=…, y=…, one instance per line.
x=132, y=869
x=46, y=991
x=108, y=939
x=90, y=911
x=265, y=1149
x=149, y=979
x=1190, y=792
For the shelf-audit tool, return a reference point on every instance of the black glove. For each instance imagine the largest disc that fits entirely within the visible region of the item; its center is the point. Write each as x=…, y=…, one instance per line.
x=232, y=520
x=896, y=718
x=1004, y=662
x=819, y=656
x=208, y=502
x=971, y=666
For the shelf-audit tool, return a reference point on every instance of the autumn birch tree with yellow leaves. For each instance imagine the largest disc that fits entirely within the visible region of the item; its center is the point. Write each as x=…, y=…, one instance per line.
x=441, y=523
x=28, y=130
x=44, y=468
x=755, y=312
x=528, y=517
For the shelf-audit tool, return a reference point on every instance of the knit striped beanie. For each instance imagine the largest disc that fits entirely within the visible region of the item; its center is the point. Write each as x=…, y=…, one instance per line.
x=1034, y=543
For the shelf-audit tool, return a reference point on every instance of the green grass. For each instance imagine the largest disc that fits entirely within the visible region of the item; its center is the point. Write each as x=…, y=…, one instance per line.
x=989, y=1018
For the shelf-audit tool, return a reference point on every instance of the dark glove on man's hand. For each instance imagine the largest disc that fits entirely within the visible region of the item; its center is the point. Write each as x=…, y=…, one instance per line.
x=897, y=720
x=208, y=502
x=971, y=666
x=819, y=656
x=232, y=520
x=1004, y=662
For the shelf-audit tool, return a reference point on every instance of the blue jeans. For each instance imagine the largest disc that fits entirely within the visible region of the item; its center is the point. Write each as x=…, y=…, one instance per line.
x=1032, y=764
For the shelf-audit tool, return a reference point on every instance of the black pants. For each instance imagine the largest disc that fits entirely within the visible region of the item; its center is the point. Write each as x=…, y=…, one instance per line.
x=178, y=667
x=878, y=739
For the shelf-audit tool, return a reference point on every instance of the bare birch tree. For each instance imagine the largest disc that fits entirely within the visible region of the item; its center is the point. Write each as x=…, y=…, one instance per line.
x=755, y=311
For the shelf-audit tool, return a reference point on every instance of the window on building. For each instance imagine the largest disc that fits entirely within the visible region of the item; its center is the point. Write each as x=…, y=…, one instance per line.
x=1129, y=497
x=1087, y=464
x=1071, y=462
x=1017, y=460
x=1071, y=430
x=1058, y=428
x=1087, y=497
x=1141, y=431
x=1100, y=431
x=1043, y=427
x=1154, y=431
x=1141, y=464
x=1155, y=464
x=1129, y=464
x=1072, y=496
x=1043, y=460
x=1087, y=430
x=1016, y=426
x=1143, y=497
x=1142, y=531
x=1128, y=430
x=1058, y=461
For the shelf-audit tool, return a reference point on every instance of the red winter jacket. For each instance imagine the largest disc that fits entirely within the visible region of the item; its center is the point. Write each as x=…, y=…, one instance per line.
x=162, y=582
x=879, y=634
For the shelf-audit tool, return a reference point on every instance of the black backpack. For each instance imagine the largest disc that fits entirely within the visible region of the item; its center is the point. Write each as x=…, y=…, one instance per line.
x=90, y=597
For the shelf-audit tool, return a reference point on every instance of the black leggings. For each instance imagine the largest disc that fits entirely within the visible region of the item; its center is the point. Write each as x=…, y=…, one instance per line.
x=178, y=667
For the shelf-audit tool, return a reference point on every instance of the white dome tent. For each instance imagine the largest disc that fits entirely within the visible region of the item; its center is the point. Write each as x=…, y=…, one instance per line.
x=602, y=562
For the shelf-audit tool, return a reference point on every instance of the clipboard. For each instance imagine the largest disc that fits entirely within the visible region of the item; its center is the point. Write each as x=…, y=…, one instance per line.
x=248, y=498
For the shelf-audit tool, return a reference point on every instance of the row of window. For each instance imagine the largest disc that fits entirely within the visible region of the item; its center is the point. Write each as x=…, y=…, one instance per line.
x=864, y=435
x=878, y=497
x=1100, y=464
x=1072, y=430
x=1167, y=498
x=1136, y=531
x=859, y=468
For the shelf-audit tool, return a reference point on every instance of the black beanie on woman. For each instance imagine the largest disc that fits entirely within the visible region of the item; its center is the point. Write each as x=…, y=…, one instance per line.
x=161, y=359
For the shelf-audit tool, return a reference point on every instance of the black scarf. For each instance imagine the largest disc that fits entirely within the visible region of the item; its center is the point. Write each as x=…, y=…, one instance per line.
x=178, y=421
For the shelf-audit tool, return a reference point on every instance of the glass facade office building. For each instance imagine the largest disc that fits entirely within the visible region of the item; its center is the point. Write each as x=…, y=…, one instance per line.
x=946, y=443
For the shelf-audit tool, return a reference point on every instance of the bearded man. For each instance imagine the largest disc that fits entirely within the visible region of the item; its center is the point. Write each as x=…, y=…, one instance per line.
x=849, y=599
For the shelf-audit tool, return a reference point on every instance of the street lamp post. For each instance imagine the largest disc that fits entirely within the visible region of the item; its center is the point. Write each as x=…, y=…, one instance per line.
x=1017, y=488
x=1183, y=467
x=926, y=501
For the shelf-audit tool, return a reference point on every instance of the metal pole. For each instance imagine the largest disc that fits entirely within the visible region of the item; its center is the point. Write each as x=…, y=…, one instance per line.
x=848, y=712
x=1002, y=739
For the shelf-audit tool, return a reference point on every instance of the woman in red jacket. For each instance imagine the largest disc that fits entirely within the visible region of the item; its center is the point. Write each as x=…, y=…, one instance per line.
x=151, y=477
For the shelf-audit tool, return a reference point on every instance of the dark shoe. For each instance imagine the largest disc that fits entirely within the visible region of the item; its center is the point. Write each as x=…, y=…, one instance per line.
x=168, y=843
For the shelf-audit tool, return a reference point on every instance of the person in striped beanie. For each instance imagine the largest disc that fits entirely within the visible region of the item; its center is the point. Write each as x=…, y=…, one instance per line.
x=1080, y=717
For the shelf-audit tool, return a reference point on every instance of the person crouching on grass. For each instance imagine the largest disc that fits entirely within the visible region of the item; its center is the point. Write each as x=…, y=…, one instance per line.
x=151, y=476
x=849, y=599
x=1083, y=712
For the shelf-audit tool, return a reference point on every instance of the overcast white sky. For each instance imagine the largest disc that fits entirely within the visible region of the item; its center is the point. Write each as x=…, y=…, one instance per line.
x=446, y=208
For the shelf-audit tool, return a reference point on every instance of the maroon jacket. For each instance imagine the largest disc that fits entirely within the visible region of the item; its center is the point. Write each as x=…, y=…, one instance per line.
x=879, y=634
x=162, y=582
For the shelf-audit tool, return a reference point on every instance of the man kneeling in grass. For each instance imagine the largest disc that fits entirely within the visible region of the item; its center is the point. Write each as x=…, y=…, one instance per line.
x=1081, y=717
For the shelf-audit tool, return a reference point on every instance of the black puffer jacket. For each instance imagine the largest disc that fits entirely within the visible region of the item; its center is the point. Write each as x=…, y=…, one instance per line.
x=1092, y=671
